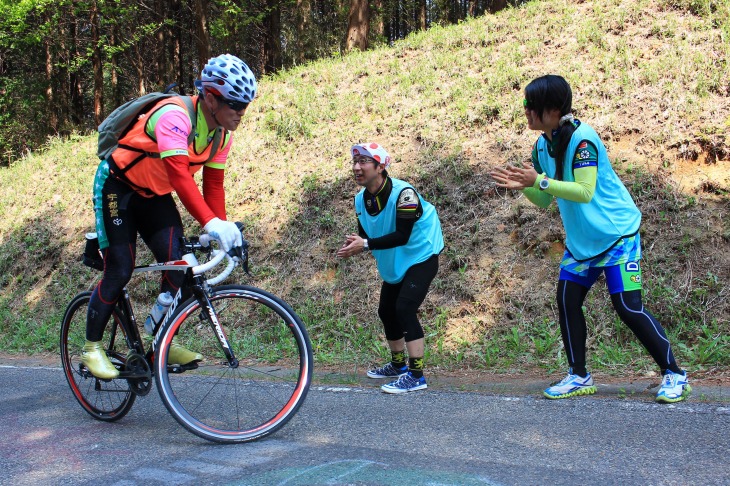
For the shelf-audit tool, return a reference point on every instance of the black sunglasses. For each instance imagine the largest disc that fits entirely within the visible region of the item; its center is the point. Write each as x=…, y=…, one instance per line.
x=234, y=105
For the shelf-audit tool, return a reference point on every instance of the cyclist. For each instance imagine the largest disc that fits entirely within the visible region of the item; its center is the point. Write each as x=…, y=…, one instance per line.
x=404, y=233
x=570, y=164
x=133, y=191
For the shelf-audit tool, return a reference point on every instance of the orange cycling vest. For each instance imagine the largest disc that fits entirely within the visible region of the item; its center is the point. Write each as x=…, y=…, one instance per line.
x=137, y=160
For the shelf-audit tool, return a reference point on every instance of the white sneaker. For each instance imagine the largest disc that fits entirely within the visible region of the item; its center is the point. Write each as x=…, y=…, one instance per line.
x=571, y=386
x=675, y=387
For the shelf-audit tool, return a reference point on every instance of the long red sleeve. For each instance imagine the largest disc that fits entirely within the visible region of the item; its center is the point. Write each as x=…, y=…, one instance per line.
x=214, y=192
x=182, y=181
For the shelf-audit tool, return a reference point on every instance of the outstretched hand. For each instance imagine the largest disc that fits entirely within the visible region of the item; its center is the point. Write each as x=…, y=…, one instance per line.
x=352, y=246
x=513, y=177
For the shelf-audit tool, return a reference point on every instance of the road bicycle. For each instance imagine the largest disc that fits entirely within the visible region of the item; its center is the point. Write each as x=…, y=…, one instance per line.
x=257, y=363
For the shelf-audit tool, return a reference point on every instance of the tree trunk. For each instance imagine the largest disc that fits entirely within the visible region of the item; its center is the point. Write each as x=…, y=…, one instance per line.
x=304, y=11
x=497, y=5
x=64, y=38
x=161, y=64
x=139, y=69
x=176, y=65
x=50, y=98
x=422, y=20
x=114, y=79
x=201, y=27
x=271, y=54
x=358, y=25
x=377, y=19
x=96, y=65
x=76, y=88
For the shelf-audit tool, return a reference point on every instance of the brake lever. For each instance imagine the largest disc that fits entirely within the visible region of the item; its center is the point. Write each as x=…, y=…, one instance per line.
x=241, y=252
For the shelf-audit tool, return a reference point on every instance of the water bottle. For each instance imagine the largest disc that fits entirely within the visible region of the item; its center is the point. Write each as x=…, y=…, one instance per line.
x=158, y=312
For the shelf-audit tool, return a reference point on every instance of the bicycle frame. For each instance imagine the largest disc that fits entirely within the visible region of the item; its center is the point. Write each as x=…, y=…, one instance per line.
x=195, y=281
x=199, y=289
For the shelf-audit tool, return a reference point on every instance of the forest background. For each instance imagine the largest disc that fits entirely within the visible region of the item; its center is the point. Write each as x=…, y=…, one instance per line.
x=64, y=65
x=652, y=76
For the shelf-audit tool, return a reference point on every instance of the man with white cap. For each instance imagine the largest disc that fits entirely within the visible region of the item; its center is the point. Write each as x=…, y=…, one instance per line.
x=404, y=234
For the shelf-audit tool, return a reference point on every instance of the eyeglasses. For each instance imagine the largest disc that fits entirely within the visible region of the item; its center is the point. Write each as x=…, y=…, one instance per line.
x=233, y=105
x=528, y=104
x=361, y=159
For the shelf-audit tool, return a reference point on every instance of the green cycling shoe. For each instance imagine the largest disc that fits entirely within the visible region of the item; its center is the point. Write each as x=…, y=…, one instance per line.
x=95, y=359
x=180, y=355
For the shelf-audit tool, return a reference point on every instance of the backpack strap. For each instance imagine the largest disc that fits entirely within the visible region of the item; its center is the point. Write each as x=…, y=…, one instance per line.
x=120, y=174
x=217, y=137
x=193, y=117
x=216, y=143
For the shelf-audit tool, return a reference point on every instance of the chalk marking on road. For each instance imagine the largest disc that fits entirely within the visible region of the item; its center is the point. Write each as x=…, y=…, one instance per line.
x=206, y=467
x=163, y=475
x=213, y=462
x=359, y=464
x=252, y=454
x=363, y=471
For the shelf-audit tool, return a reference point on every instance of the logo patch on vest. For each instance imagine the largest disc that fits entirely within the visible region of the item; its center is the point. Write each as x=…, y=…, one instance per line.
x=408, y=199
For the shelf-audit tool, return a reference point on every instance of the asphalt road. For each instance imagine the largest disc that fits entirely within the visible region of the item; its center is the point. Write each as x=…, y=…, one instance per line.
x=358, y=435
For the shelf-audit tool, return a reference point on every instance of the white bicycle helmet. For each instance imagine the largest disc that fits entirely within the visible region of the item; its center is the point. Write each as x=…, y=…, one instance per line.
x=230, y=77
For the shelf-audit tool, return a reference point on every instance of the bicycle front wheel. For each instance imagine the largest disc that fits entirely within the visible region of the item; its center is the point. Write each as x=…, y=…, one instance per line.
x=251, y=398
x=106, y=400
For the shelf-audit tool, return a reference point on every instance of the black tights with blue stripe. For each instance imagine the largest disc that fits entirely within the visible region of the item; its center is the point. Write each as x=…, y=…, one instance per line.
x=630, y=309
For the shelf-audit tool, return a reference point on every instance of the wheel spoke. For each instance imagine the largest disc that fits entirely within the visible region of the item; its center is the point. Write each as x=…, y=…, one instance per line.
x=104, y=400
x=227, y=404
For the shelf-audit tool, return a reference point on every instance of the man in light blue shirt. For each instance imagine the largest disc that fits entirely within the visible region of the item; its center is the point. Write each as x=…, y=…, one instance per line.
x=404, y=234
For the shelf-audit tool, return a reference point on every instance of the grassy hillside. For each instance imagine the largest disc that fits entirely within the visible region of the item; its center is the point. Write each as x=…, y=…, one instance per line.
x=652, y=76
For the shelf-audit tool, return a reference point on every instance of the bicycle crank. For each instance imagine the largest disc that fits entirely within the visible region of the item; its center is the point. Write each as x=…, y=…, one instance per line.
x=138, y=374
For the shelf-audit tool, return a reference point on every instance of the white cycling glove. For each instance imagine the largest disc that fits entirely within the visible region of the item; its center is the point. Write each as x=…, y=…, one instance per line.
x=224, y=231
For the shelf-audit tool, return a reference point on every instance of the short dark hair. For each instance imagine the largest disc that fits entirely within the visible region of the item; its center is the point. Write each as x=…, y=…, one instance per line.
x=552, y=92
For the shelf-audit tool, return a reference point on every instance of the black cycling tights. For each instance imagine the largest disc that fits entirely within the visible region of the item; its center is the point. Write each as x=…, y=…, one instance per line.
x=630, y=309
x=158, y=222
x=399, y=303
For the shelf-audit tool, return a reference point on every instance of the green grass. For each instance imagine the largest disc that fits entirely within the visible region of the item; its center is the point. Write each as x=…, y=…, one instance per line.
x=652, y=76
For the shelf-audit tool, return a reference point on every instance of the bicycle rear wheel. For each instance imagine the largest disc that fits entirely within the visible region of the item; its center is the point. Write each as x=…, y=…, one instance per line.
x=106, y=400
x=224, y=403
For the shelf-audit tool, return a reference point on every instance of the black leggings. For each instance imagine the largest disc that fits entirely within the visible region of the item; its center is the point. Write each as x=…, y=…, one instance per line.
x=124, y=214
x=399, y=302
x=629, y=308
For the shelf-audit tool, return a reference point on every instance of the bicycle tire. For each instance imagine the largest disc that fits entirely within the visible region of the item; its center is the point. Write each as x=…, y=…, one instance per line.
x=228, y=404
x=106, y=400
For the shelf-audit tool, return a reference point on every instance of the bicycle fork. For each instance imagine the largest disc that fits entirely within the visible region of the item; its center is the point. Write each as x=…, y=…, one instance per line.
x=207, y=312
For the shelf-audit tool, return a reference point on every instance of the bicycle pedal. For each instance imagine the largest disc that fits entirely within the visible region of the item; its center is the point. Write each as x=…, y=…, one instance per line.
x=176, y=368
